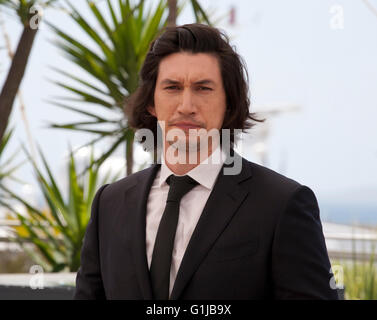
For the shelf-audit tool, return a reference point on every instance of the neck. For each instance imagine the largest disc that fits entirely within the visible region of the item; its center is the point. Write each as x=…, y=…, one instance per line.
x=191, y=159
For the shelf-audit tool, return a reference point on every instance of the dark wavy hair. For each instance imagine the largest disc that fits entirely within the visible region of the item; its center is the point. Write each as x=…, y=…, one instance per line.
x=193, y=38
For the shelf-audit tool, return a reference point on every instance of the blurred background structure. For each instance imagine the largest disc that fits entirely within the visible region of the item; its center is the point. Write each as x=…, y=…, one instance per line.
x=313, y=76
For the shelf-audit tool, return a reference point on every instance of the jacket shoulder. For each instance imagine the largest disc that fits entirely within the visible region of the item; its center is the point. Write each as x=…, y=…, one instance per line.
x=271, y=180
x=129, y=181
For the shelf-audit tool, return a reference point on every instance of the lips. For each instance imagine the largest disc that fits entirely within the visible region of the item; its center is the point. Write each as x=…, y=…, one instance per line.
x=186, y=125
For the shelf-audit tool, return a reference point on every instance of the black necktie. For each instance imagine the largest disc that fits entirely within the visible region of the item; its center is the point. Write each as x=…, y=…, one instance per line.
x=164, y=243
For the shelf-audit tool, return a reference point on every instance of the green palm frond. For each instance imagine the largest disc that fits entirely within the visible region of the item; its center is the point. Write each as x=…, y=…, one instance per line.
x=57, y=230
x=23, y=8
x=199, y=13
x=8, y=167
x=111, y=60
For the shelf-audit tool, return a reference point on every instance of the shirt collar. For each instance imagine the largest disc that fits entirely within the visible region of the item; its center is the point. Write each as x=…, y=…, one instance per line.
x=205, y=173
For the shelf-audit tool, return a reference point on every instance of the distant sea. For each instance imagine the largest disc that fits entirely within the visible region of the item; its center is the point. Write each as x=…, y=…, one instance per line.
x=360, y=214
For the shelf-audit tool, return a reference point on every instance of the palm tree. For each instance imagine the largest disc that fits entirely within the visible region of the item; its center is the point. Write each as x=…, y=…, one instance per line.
x=119, y=48
x=26, y=11
x=7, y=167
x=172, y=12
x=57, y=230
x=200, y=14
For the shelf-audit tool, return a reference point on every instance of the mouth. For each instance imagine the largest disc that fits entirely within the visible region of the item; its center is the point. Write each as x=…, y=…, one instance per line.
x=186, y=125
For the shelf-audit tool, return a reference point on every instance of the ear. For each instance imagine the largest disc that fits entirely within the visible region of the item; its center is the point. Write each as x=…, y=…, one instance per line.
x=152, y=111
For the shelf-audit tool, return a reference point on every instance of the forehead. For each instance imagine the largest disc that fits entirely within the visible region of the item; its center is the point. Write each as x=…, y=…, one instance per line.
x=189, y=66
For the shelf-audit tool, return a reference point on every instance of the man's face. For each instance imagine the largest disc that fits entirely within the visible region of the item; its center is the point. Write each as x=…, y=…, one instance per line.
x=189, y=93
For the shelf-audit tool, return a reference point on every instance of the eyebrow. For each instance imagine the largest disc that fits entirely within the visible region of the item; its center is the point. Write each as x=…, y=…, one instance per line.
x=171, y=81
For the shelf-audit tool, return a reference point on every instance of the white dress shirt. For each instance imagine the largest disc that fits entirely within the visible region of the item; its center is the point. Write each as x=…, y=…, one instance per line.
x=190, y=209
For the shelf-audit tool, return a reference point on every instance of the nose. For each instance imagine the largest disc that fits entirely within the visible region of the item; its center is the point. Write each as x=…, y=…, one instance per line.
x=186, y=104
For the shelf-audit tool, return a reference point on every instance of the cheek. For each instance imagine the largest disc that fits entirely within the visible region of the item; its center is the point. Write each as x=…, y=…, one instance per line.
x=165, y=100
x=217, y=113
x=162, y=107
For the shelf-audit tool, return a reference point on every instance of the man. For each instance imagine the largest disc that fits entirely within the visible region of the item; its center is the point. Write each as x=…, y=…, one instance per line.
x=191, y=229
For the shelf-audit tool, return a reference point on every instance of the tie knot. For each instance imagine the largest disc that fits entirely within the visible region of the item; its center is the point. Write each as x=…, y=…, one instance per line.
x=179, y=186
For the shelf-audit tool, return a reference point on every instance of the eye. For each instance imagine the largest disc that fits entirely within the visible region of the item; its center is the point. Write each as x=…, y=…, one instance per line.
x=201, y=88
x=172, y=88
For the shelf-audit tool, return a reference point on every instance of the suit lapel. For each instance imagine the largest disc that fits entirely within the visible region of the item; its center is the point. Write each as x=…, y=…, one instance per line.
x=222, y=204
x=224, y=200
x=138, y=195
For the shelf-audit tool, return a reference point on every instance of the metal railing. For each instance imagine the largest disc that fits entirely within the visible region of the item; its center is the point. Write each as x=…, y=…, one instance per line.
x=333, y=254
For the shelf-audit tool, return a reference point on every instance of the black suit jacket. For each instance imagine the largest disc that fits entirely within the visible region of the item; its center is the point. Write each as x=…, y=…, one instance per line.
x=259, y=237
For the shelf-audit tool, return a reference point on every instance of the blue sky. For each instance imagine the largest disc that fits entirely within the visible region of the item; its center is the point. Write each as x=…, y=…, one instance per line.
x=293, y=57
